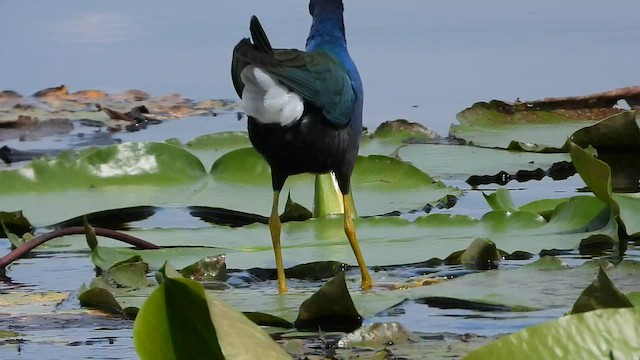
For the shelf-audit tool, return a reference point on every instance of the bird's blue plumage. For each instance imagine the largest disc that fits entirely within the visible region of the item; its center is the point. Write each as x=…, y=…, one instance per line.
x=327, y=35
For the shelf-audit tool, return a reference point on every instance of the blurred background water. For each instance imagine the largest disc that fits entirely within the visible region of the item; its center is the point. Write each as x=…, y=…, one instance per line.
x=420, y=60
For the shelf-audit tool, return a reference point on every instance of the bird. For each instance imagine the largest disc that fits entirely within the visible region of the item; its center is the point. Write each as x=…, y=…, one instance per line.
x=304, y=111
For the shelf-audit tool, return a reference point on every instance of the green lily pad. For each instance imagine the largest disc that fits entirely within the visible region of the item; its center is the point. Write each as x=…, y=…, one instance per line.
x=99, y=298
x=616, y=133
x=634, y=297
x=100, y=295
x=517, y=127
x=403, y=131
x=226, y=140
x=106, y=257
x=481, y=254
x=534, y=283
x=294, y=211
x=179, y=321
x=380, y=184
x=124, y=164
x=329, y=309
x=599, y=334
x=14, y=222
x=14, y=239
x=601, y=294
x=208, y=148
x=500, y=200
x=436, y=235
x=264, y=319
x=175, y=323
x=597, y=175
x=130, y=274
x=155, y=174
x=461, y=161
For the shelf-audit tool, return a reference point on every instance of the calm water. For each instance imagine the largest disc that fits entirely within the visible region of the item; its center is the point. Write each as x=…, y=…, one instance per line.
x=438, y=55
x=420, y=60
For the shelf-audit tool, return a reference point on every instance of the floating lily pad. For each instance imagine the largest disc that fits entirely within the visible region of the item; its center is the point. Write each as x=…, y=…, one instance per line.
x=517, y=127
x=597, y=175
x=534, y=283
x=461, y=161
x=380, y=184
x=106, y=257
x=601, y=294
x=179, y=321
x=210, y=147
x=126, y=164
x=99, y=298
x=175, y=323
x=481, y=254
x=599, y=334
x=130, y=274
x=329, y=309
x=75, y=183
x=14, y=222
x=436, y=235
x=619, y=132
x=401, y=131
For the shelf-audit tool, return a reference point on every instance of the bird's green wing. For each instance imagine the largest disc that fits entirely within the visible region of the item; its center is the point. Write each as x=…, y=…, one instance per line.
x=238, y=64
x=319, y=79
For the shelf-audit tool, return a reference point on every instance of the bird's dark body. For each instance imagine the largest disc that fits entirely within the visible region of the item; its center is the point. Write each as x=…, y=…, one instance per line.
x=311, y=144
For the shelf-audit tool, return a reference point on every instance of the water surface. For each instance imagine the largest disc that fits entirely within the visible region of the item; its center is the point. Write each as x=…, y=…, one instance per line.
x=440, y=56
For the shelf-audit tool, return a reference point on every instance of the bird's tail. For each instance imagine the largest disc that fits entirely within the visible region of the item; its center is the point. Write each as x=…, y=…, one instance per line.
x=260, y=40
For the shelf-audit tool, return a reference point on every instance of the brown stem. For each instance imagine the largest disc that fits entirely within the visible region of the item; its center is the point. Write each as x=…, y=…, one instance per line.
x=23, y=249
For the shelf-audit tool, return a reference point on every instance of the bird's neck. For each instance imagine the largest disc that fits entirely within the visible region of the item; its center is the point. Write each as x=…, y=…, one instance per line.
x=327, y=34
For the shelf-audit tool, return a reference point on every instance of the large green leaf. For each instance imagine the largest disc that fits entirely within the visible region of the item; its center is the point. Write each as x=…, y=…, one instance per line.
x=329, y=309
x=615, y=133
x=179, y=321
x=208, y=148
x=106, y=257
x=119, y=301
x=546, y=284
x=500, y=125
x=461, y=161
x=597, y=175
x=601, y=294
x=175, y=323
x=599, y=334
x=141, y=164
x=14, y=222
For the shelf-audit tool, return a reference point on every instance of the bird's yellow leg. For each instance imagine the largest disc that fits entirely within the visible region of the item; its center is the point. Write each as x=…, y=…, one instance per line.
x=350, y=230
x=274, y=229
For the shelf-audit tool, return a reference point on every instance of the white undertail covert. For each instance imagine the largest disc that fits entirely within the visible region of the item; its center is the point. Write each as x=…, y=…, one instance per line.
x=267, y=100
